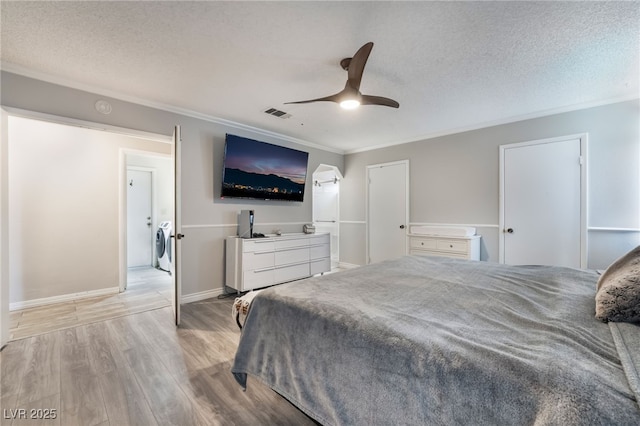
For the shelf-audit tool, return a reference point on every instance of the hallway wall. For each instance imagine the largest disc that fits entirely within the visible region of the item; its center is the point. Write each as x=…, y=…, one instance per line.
x=64, y=208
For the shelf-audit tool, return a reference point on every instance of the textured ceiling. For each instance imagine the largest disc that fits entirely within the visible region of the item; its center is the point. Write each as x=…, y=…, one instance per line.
x=452, y=66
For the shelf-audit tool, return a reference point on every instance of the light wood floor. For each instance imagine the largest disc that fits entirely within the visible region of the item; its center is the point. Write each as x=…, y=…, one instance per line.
x=139, y=370
x=147, y=288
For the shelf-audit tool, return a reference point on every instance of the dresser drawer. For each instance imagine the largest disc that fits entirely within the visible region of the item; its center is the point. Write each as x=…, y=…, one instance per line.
x=290, y=273
x=257, y=260
x=423, y=243
x=449, y=246
x=320, y=266
x=319, y=239
x=294, y=255
x=319, y=251
x=293, y=243
x=249, y=246
x=258, y=278
x=452, y=245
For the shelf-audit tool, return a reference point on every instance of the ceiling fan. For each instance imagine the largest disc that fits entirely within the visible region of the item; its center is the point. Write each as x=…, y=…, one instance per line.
x=350, y=97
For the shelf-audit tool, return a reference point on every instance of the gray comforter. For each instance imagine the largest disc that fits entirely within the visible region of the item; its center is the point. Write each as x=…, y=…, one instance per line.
x=436, y=341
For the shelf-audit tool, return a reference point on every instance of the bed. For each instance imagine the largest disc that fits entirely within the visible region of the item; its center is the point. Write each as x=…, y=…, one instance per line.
x=438, y=341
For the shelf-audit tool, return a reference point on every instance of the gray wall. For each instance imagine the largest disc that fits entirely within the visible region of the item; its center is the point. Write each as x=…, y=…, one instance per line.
x=64, y=229
x=207, y=219
x=455, y=179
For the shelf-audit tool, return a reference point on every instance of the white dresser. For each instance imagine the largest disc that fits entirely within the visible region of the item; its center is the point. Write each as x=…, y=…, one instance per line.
x=448, y=242
x=261, y=262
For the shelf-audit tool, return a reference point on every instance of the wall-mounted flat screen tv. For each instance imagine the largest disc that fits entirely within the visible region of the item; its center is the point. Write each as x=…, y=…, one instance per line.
x=261, y=170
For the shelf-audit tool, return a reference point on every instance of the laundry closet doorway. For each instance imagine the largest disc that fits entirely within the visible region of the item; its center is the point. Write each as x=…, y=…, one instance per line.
x=147, y=204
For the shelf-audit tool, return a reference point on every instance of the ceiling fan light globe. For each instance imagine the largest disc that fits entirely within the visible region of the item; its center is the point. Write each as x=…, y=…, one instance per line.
x=350, y=104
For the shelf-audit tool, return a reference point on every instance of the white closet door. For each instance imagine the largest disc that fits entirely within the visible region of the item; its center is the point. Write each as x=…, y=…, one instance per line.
x=387, y=210
x=140, y=235
x=542, y=202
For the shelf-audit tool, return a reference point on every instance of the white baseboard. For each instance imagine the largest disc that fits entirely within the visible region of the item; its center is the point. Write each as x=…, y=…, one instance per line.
x=62, y=298
x=346, y=265
x=196, y=297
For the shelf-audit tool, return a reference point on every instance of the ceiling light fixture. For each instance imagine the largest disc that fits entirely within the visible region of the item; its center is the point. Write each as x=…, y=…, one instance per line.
x=350, y=104
x=350, y=97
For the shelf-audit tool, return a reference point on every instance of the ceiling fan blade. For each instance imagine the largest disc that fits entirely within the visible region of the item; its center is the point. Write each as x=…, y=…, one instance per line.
x=332, y=98
x=356, y=65
x=379, y=100
x=351, y=92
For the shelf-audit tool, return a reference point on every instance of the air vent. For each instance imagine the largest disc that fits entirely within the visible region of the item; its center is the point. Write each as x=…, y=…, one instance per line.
x=277, y=113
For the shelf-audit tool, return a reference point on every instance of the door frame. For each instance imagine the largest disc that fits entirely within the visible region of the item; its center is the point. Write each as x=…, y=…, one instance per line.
x=583, y=137
x=4, y=228
x=335, y=248
x=407, y=204
x=123, y=261
x=177, y=236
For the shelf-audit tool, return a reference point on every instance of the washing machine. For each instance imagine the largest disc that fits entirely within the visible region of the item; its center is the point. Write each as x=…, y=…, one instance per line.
x=163, y=246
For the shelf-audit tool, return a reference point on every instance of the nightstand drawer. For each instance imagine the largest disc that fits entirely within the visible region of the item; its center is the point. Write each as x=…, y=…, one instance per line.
x=452, y=245
x=423, y=243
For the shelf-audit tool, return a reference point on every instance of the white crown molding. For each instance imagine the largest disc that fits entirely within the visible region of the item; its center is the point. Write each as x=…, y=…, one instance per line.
x=26, y=72
x=61, y=81
x=508, y=120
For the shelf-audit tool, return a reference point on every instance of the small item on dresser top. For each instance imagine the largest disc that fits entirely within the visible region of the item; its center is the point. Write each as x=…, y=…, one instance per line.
x=258, y=235
x=308, y=228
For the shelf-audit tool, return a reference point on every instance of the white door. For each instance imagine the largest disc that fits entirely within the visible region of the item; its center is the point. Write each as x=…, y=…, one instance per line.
x=387, y=210
x=177, y=226
x=543, y=202
x=140, y=235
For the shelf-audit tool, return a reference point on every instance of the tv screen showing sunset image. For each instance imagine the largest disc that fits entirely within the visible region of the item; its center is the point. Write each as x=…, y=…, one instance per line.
x=260, y=170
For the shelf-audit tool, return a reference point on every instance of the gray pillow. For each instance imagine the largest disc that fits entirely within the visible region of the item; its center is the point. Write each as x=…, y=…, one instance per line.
x=618, y=290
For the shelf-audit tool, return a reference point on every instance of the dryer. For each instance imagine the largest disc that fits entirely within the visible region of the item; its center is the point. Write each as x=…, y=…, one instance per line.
x=163, y=246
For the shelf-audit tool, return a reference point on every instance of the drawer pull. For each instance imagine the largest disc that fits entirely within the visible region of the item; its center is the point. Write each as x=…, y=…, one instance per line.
x=289, y=265
x=257, y=271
